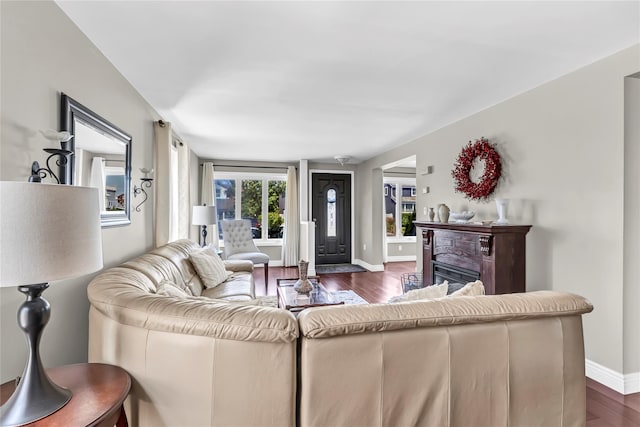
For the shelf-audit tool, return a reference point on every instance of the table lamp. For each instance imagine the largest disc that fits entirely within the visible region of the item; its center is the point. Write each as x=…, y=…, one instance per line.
x=203, y=215
x=47, y=232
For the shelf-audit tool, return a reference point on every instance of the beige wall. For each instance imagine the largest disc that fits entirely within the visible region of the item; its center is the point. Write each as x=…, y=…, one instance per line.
x=563, y=150
x=43, y=54
x=631, y=224
x=401, y=249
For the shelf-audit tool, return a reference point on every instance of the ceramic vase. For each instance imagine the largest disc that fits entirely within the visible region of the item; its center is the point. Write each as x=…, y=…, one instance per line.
x=303, y=285
x=443, y=212
x=503, y=209
x=432, y=214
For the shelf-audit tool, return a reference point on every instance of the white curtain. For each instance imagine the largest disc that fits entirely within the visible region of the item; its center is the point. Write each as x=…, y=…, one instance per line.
x=162, y=211
x=207, y=197
x=98, y=179
x=291, y=237
x=171, y=195
x=183, y=192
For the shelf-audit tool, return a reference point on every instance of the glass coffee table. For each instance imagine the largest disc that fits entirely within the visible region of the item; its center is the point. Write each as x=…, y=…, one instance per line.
x=289, y=299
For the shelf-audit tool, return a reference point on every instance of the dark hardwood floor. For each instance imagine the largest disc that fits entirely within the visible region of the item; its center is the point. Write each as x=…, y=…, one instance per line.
x=605, y=407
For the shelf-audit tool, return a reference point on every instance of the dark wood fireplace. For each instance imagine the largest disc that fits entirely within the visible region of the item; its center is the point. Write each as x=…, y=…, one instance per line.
x=495, y=254
x=451, y=273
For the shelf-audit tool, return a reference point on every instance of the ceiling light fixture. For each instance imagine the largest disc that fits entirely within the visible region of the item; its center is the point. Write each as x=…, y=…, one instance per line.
x=342, y=159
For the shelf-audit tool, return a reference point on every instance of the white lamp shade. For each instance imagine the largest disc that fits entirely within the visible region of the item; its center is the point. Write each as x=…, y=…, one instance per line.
x=48, y=232
x=203, y=215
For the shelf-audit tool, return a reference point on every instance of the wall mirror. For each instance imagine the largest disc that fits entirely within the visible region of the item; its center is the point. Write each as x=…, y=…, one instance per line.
x=101, y=158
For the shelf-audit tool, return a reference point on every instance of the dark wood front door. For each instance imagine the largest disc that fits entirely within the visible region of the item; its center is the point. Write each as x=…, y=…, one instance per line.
x=332, y=214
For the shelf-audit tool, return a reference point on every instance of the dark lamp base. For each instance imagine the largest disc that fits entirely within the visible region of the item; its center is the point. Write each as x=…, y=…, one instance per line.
x=36, y=396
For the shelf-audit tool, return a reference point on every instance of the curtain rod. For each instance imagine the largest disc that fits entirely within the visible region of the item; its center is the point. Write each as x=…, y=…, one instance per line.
x=252, y=167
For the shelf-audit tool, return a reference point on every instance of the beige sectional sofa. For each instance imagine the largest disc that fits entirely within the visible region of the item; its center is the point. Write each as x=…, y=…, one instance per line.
x=508, y=360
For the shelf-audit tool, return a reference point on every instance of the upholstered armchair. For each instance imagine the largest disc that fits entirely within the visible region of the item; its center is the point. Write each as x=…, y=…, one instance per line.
x=238, y=244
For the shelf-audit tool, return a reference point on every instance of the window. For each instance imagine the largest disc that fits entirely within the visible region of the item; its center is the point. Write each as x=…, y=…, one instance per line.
x=114, y=188
x=251, y=205
x=277, y=191
x=259, y=196
x=400, y=212
x=331, y=213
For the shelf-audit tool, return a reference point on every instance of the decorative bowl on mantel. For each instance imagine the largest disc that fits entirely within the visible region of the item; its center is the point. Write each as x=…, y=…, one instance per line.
x=464, y=216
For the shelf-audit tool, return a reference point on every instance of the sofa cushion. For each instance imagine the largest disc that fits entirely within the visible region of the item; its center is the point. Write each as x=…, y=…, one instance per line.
x=470, y=289
x=240, y=286
x=237, y=265
x=428, y=292
x=170, y=289
x=210, y=267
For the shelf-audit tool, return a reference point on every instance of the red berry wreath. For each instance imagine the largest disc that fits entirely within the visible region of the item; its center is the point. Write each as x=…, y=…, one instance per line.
x=482, y=150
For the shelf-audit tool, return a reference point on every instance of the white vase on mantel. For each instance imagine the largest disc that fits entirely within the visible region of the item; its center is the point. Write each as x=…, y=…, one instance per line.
x=503, y=211
x=443, y=213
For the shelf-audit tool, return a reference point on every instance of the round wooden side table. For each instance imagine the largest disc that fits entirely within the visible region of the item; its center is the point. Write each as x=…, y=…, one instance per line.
x=99, y=391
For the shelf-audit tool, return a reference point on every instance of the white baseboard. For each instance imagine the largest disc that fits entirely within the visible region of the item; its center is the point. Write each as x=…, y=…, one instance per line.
x=368, y=266
x=401, y=258
x=623, y=384
x=632, y=383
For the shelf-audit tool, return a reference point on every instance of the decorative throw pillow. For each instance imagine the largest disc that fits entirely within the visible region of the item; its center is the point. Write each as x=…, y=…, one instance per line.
x=470, y=289
x=169, y=289
x=209, y=267
x=426, y=293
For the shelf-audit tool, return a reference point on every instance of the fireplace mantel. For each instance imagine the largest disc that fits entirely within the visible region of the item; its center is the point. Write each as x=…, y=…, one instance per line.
x=497, y=252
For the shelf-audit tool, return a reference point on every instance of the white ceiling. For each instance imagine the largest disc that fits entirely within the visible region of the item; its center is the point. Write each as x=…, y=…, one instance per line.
x=283, y=81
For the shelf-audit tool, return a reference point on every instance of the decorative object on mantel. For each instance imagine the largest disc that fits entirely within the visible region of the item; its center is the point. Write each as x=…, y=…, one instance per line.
x=145, y=182
x=432, y=214
x=49, y=232
x=37, y=172
x=303, y=285
x=503, y=208
x=443, y=213
x=462, y=217
x=473, y=152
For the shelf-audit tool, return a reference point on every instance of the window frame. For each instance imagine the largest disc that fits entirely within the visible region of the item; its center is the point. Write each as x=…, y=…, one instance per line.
x=265, y=177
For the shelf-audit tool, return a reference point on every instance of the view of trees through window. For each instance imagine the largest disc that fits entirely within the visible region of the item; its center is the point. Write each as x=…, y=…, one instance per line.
x=400, y=209
x=258, y=198
x=251, y=205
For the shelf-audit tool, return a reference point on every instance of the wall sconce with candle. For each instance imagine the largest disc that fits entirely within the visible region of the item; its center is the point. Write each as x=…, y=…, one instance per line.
x=145, y=182
x=37, y=172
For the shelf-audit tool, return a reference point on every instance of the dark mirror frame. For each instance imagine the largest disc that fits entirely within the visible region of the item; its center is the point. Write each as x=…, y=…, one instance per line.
x=70, y=111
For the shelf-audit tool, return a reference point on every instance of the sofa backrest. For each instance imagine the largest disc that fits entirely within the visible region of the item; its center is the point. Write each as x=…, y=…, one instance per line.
x=178, y=254
x=193, y=361
x=170, y=262
x=505, y=360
